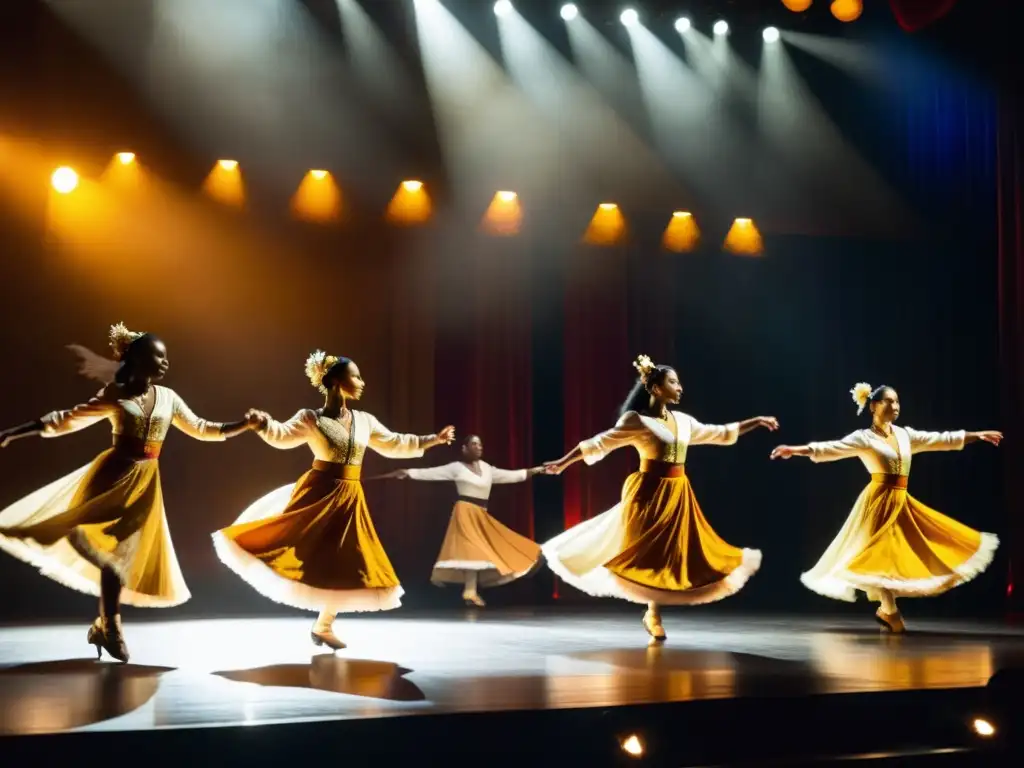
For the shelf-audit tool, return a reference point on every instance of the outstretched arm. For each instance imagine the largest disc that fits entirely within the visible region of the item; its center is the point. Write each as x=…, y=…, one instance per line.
x=728, y=434
x=284, y=435
x=209, y=431
x=832, y=450
x=59, y=423
x=508, y=476
x=922, y=442
x=434, y=474
x=396, y=445
x=625, y=432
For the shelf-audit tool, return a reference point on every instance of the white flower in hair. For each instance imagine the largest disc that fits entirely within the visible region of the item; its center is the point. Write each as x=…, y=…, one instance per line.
x=644, y=366
x=120, y=339
x=317, y=366
x=861, y=393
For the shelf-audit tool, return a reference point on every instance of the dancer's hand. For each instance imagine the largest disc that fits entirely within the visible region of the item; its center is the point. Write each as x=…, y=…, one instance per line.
x=446, y=436
x=542, y=470
x=398, y=474
x=768, y=422
x=5, y=438
x=256, y=419
x=990, y=436
x=783, y=452
x=553, y=468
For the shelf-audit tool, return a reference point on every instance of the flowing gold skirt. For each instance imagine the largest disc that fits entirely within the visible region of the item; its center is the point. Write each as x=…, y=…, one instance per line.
x=312, y=545
x=108, y=513
x=892, y=541
x=475, y=541
x=655, y=545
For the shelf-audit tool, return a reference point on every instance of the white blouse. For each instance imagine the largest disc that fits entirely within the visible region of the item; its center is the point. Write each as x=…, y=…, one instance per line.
x=469, y=483
x=328, y=438
x=878, y=456
x=656, y=439
x=127, y=418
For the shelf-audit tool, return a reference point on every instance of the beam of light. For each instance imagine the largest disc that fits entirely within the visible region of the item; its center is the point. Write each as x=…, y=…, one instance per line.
x=607, y=226
x=633, y=746
x=744, y=238
x=682, y=235
x=126, y=158
x=629, y=17
x=224, y=184
x=569, y=11
x=504, y=215
x=721, y=27
x=410, y=204
x=983, y=727
x=859, y=59
x=503, y=8
x=123, y=170
x=770, y=35
x=847, y=10
x=682, y=25
x=318, y=198
x=64, y=180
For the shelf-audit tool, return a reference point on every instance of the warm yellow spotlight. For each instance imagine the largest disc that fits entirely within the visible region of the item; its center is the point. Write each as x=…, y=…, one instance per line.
x=224, y=184
x=607, y=227
x=847, y=10
x=983, y=727
x=503, y=216
x=744, y=238
x=126, y=158
x=682, y=234
x=318, y=175
x=228, y=165
x=797, y=6
x=317, y=198
x=632, y=745
x=410, y=205
x=64, y=180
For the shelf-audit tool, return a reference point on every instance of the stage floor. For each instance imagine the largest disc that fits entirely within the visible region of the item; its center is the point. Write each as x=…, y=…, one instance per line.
x=202, y=673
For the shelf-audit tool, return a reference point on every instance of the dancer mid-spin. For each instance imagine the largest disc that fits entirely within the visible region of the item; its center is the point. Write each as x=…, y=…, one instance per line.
x=892, y=545
x=312, y=544
x=477, y=551
x=102, y=529
x=655, y=546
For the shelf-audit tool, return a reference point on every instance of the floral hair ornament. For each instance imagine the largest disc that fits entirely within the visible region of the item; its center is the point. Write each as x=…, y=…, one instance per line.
x=120, y=339
x=317, y=366
x=644, y=366
x=861, y=394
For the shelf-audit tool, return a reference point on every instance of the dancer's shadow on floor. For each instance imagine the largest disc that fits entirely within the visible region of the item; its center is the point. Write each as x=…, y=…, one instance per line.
x=327, y=672
x=50, y=696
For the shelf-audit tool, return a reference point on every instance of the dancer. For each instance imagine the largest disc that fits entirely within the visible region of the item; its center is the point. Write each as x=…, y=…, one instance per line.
x=102, y=529
x=312, y=544
x=655, y=546
x=892, y=545
x=477, y=551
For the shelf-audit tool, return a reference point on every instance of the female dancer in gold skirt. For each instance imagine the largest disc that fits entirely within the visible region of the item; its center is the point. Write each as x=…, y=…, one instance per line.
x=312, y=544
x=102, y=529
x=477, y=551
x=655, y=546
x=892, y=545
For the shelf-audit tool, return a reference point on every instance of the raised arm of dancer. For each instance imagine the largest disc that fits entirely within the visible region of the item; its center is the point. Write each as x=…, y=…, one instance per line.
x=209, y=431
x=625, y=432
x=57, y=423
x=396, y=445
x=831, y=450
x=284, y=435
x=922, y=442
x=728, y=434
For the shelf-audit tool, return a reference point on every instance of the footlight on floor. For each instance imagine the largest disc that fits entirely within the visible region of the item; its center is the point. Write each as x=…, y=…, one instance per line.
x=983, y=727
x=632, y=745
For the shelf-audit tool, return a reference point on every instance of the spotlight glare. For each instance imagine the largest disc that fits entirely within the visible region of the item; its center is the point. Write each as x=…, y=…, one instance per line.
x=608, y=206
x=412, y=185
x=570, y=11
x=629, y=17
x=228, y=165
x=507, y=197
x=682, y=25
x=681, y=214
x=770, y=35
x=318, y=175
x=64, y=180
x=503, y=8
x=983, y=727
x=125, y=158
x=721, y=27
x=632, y=745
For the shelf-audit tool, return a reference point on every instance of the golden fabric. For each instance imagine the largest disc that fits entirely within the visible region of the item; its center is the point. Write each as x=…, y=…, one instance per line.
x=475, y=541
x=891, y=481
x=321, y=551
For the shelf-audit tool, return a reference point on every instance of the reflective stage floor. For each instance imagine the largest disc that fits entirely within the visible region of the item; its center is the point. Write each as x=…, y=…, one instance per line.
x=201, y=673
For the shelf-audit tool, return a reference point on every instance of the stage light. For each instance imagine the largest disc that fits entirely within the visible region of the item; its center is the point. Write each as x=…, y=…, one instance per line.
x=503, y=8
x=608, y=206
x=770, y=34
x=797, y=6
x=607, y=226
x=507, y=197
x=228, y=165
x=412, y=185
x=983, y=727
x=64, y=180
x=411, y=205
x=632, y=745
x=318, y=175
x=126, y=158
x=847, y=10
x=629, y=17
x=570, y=11
x=721, y=27
x=682, y=235
x=744, y=238
x=682, y=25
x=681, y=214
x=504, y=216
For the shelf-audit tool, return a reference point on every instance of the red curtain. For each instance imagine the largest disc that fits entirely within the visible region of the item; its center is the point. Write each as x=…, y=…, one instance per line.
x=913, y=15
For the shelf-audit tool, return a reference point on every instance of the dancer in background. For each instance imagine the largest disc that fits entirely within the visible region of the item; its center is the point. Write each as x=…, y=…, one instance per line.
x=102, y=529
x=892, y=545
x=477, y=551
x=655, y=546
x=312, y=544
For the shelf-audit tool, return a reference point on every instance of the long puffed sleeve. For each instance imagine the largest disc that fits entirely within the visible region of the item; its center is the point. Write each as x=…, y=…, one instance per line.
x=507, y=476
x=291, y=433
x=713, y=434
x=834, y=450
x=625, y=432
x=921, y=442
x=445, y=472
x=193, y=426
x=394, y=445
x=57, y=423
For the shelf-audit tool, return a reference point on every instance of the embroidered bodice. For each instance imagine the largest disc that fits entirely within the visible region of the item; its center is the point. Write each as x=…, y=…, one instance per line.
x=657, y=440
x=879, y=456
x=127, y=417
x=330, y=440
x=467, y=482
